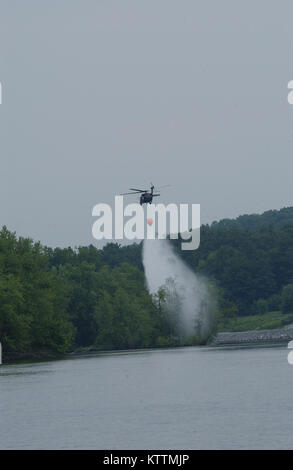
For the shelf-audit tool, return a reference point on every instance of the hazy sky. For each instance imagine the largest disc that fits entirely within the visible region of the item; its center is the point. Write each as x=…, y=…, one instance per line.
x=103, y=95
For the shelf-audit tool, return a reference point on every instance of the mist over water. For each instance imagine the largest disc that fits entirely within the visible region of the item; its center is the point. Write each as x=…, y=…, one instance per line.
x=187, y=295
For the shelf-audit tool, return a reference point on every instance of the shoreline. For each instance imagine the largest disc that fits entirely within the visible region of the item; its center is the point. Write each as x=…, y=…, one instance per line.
x=233, y=338
x=36, y=356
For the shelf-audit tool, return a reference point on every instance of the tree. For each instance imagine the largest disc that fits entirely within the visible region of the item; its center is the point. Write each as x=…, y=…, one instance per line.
x=261, y=306
x=287, y=299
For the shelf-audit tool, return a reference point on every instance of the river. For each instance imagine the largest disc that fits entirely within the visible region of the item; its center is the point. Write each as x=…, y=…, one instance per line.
x=186, y=398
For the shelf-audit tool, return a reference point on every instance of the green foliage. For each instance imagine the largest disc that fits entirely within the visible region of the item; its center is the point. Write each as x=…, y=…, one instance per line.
x=33, y=303
x=253, y=222
x=287, y=299
x=54, y=300
x=267, y=321
x=262, y=306
x=58, y=299
x=14, y=326
x=247, y=264
x=274, y=302
x=228, y=308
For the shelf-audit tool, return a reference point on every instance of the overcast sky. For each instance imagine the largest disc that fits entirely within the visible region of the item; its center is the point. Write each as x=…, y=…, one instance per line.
x=103, y=95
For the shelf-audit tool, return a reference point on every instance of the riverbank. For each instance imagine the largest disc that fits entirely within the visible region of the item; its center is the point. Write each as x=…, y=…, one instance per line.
x=30, y=356
x=281, y=335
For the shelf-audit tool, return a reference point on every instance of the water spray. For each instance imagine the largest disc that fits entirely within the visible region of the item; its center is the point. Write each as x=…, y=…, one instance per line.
x=187, y=298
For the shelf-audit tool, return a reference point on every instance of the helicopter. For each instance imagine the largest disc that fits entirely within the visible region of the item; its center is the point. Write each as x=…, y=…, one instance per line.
x=146, y=195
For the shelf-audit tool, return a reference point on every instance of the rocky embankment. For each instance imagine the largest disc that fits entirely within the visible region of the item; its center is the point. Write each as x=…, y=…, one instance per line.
x=282, y=335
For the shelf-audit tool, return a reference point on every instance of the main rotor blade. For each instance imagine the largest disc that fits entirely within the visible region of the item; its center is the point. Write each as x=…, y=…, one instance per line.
x=154, y=195
x=160, y=187
x=139, y=190
x=134, y=192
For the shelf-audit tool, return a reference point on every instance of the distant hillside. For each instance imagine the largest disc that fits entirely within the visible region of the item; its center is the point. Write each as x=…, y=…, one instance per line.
x=275, y=218
x=250, y=258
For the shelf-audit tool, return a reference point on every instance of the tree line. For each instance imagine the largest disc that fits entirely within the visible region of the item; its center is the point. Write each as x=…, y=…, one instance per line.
x=62, y=299
x=54, y=300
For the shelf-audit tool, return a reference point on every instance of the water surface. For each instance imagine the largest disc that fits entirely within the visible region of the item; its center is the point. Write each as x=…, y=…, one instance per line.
x=188, y=398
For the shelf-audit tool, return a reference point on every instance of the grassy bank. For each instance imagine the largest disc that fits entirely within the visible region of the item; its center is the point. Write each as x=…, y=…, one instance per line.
x=266, y=321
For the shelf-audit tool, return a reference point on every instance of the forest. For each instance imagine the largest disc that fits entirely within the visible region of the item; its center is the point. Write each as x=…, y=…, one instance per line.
x=57, y=300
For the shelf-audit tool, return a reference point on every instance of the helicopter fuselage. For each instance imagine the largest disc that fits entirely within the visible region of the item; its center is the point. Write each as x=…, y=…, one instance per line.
x=146, y=198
